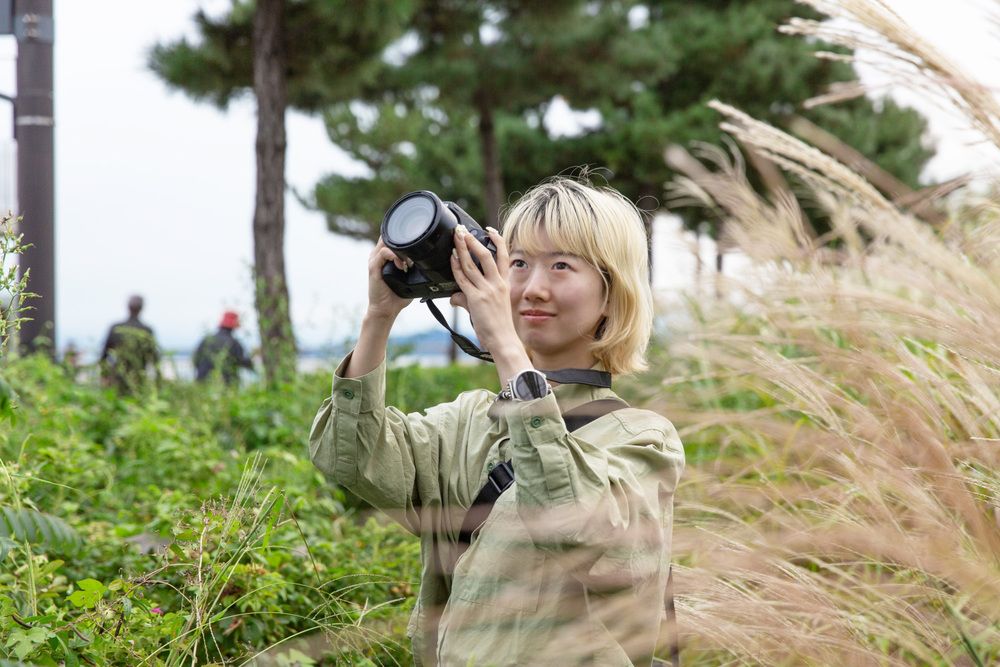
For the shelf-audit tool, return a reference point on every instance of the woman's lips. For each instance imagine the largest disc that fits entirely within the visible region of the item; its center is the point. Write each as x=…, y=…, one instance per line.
x=536, y=316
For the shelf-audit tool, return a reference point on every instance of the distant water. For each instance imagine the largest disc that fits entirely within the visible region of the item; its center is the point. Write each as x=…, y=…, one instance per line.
x=181, y=367
x=429, y=348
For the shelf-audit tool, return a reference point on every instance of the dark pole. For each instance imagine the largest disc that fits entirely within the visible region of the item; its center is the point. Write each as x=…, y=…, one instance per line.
x=33, y=130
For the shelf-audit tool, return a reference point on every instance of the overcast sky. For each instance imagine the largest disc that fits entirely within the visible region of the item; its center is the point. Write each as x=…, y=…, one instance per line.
x=154, y=193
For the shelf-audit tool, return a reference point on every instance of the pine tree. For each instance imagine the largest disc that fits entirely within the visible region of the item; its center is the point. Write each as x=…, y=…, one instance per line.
x=648, y=68
x=303, y=54
x=474, y=66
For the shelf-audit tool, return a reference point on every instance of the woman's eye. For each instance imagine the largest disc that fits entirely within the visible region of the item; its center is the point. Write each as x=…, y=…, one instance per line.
x=560, y=265
x=518, y=263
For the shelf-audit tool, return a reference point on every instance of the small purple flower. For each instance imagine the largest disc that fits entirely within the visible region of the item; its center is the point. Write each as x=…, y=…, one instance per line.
x=156, y=610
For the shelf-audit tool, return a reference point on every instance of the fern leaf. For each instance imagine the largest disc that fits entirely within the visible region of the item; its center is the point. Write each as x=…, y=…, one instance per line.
x=28, y=525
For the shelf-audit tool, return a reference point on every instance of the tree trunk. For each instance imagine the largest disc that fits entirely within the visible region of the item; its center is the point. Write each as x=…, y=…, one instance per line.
x=491, y=158
x=277, y=342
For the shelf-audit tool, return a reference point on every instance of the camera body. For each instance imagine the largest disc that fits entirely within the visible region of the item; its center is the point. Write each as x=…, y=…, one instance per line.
x=420, y=227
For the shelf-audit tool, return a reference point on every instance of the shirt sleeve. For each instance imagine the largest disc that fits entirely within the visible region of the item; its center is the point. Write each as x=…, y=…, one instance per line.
x=401, y=463
x=603, y=492
x=241, y=356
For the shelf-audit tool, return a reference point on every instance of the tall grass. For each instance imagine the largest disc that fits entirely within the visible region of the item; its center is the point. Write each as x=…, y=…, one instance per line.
x=842, y=500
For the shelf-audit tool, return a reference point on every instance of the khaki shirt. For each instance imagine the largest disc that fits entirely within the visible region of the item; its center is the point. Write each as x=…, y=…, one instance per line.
x=571, y=564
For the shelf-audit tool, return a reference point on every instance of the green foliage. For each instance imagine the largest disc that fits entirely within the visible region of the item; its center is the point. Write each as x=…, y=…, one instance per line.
x=440, y=110
x=452, y=99
x=8, y=400
x=13, y=292
x=331, y=48
x=412, y=388
x=406, y=147
x=13, y=288
x=27, y=525
x=647, y=68
x=184, y=548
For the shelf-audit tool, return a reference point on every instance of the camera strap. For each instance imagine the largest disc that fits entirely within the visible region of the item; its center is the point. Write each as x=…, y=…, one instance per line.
x=587, y=376
x=463, y=343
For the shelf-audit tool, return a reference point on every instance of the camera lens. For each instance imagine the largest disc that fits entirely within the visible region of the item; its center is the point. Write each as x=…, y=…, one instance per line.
x=409, y=219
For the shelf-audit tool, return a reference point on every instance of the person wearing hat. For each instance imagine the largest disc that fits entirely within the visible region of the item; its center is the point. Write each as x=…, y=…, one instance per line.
x=221, y=351
x=129, y=351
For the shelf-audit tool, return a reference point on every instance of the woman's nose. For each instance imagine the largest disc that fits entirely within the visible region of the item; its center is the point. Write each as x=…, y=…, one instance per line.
x=537, y=287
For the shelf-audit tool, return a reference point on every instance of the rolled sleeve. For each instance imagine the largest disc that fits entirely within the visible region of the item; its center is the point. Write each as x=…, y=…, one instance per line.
x=536, y=430
x=600, y=485
x=361, y=394
x=334, y=450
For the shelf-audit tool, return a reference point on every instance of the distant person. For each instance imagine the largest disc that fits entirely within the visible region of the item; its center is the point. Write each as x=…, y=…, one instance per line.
x=129, y=353
x=221, y=351
x=71, y=359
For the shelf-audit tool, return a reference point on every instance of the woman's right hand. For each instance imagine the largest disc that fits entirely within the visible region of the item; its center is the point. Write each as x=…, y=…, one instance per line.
x=383, y=303
x=383, y=307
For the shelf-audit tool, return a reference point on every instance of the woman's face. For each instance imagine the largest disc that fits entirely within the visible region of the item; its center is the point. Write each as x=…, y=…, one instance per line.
x=558, y=302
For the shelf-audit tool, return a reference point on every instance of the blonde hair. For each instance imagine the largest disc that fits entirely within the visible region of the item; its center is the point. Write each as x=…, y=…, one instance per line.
x=601, y=226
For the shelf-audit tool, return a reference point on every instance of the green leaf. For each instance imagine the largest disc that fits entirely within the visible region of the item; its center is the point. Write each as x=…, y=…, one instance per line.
x=25, y=641
x=8, y=402
x=89, y=594
x=274, y=516
x=6, y=545
x=29, y=525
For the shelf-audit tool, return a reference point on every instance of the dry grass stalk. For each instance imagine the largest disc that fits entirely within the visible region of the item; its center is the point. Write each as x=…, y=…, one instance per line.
x=849, y=512
x=906, y=57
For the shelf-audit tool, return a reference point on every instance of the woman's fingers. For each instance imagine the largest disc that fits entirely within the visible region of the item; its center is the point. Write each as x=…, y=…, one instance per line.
x=465, y=270
x=483, y=254
x=458, y=300
x=503, y=257
x=382, y=254
x=467, y=250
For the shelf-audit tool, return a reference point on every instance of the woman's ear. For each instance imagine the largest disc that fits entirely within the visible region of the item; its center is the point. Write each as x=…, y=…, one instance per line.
x=600, y=328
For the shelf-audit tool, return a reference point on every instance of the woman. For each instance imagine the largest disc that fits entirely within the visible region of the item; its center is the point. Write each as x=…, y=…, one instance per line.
x=572, y=560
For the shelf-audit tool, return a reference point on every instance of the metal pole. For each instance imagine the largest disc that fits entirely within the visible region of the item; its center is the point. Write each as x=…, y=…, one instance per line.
x=34, y=132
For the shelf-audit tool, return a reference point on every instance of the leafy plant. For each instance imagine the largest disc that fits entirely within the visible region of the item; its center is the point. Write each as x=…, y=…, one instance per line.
x=13, y=292
x=28, y=525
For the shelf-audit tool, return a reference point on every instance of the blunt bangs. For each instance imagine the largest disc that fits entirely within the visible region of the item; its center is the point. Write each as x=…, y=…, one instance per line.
x=563, y=215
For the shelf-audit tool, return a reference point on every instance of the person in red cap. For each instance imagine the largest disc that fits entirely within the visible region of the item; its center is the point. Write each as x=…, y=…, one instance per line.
x=222, y=352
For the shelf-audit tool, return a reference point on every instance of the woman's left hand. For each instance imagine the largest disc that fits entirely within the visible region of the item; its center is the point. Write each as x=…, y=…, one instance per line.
x=485, y=294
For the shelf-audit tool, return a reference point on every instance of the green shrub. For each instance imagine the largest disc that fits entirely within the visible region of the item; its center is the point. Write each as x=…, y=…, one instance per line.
x=172, y=557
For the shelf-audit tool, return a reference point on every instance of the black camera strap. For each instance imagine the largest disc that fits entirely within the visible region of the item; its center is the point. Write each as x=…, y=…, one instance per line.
x=587, y=376
x=463, y=343
x=580, y=376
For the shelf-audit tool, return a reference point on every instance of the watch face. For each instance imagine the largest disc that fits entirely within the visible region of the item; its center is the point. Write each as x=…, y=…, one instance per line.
x=530, y=384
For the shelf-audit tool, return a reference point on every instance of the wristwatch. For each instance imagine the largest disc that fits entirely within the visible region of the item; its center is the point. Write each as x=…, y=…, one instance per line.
x=527, y=386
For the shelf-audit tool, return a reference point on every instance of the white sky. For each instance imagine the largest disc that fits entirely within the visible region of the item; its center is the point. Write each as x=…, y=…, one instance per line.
x=154, y=193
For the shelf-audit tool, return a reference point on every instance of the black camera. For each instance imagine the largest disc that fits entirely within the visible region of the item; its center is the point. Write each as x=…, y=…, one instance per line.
x=420, y=227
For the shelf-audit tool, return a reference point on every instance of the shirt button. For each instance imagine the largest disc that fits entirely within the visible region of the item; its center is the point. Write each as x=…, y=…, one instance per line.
x=536, y=421
x=348, y=394
x=491, y=466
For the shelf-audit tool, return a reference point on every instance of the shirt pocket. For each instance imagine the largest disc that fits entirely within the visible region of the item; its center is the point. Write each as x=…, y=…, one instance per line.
x=502, y=567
